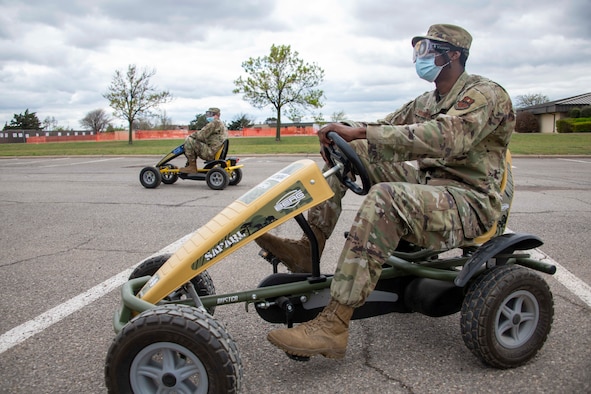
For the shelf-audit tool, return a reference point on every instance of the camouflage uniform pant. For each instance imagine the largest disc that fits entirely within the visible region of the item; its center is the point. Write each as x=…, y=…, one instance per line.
x=195, y=149
x=399, y=205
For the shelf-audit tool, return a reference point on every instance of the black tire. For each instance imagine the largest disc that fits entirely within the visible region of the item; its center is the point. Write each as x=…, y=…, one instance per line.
x=150, y=177
x=235, y=177
x=217, y=178
x=506, y=316
x=203, y=283
x=169, y=178
x=156, y=351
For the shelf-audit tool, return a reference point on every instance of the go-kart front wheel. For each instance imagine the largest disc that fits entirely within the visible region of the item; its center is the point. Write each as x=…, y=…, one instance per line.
x=173, y=349
x=217, y=178
x=235, y=177
x=168, y=178
x=150, y=177
x=203, y=283
x=506, y=316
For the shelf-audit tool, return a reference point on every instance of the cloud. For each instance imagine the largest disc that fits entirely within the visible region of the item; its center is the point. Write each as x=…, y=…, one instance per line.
x=59, y=57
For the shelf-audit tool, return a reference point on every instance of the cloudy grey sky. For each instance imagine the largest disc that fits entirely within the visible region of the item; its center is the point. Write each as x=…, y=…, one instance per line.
x=57, y=57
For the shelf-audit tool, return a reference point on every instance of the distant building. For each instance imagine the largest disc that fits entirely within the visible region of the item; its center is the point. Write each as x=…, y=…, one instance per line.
x=548, y=113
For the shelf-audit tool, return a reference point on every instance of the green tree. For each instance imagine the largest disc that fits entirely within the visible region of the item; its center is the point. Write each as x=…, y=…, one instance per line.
x=280, y=79
x=295, y=115
x=240, y=122
x=574, y=113
x=319, y=118
x=26, y=121
x=527, y=100
x=198, y=123
x=131, y=95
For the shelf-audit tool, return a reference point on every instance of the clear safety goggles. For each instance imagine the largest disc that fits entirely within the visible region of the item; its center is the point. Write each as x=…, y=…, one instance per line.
x=426, y=47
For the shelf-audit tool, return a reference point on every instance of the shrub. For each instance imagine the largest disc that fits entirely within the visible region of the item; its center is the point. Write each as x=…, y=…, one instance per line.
x=574, y=113
x=526, y=122
x=564, y=125
x=582, y=127
x=586, y=112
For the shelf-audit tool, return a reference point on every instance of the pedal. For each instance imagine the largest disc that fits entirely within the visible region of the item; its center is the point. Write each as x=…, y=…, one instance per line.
x=274, y=261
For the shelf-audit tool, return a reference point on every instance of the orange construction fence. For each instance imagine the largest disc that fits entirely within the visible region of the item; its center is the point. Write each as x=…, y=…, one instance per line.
x=165, y=134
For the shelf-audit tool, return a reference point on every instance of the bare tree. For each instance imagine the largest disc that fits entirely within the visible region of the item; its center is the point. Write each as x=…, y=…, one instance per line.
x=143, y=123
x=96, y=120
x=164, y=121
x=49, y=123
x=131, y=95
x=338, y=116
x=527, y=100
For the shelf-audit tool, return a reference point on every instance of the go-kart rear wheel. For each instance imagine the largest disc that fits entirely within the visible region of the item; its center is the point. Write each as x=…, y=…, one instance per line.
x=168, y=178
x=235, y=177
x=506, y=316
x=173, y=348
x=203, y=283
x=150, y=177
x=217, y=178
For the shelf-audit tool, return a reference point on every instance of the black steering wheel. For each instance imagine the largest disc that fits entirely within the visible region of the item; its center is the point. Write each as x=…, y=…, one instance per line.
x=341, y=154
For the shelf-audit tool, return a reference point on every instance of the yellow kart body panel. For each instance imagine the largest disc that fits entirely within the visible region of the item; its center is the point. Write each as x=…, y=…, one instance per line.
x=282, y=196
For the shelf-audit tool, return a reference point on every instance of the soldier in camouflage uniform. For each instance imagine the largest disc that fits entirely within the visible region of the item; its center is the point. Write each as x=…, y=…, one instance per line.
x=458, y=134
x=206, y=142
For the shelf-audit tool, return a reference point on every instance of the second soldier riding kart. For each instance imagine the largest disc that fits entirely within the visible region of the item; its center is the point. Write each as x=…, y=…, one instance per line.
x=217, y=173
x=169, y=341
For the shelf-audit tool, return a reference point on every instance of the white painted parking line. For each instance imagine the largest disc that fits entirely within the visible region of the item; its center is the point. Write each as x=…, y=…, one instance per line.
x=577, y=161
x=26, y=330
x=564, y=276
x=82, y=162
x=20, y=162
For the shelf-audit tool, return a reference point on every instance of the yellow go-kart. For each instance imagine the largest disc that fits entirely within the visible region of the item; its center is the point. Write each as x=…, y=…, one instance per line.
x=217, y=173
x=169, y=341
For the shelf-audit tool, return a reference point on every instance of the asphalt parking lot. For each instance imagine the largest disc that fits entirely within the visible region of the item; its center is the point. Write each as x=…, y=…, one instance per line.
x=71, y=228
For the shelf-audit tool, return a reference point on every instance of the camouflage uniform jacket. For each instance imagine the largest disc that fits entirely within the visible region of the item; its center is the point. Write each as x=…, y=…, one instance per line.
x=212, y=134
x=459, y=141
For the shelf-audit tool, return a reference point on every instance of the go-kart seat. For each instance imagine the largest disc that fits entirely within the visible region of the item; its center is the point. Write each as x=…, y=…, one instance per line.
x=223, y=151
x=507, y=192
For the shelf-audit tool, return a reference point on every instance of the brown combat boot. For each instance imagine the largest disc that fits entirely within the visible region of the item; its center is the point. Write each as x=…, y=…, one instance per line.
x=327, y=334
x=294, y=254
x=191, y=168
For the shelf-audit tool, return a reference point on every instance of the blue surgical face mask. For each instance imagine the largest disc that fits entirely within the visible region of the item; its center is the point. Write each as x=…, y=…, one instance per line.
x=209, y=119
x=427, y=69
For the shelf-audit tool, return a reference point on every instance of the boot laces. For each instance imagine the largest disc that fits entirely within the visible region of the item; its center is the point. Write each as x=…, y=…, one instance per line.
x=319, y=322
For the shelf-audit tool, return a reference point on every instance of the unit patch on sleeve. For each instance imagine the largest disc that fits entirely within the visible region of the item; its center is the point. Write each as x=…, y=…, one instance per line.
x=464, y=103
